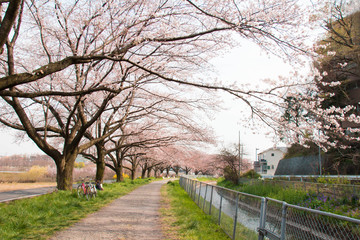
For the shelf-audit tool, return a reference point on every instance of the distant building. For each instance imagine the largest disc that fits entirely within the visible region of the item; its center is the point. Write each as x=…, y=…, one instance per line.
x=268, y=160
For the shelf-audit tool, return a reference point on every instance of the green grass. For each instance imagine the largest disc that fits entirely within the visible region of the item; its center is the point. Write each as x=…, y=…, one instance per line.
x=227, y=223
x=41, y=217
x=266, y=189
x=347, y=206
x=205, y=179
x=186, y=218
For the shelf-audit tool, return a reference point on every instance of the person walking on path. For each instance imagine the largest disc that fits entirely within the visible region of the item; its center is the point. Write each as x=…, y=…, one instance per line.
x=132, y=217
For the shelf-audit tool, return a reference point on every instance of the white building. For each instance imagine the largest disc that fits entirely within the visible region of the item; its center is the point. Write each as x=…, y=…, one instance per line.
x=268, y=160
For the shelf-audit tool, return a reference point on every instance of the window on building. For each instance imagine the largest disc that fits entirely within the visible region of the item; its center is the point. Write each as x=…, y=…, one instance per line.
x=272, y=166
x=272, y=154
x=268, y=167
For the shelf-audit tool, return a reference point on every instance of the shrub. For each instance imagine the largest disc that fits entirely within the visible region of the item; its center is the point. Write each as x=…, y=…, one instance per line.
x=337, y=180
x=79, y=165
x=231, y=174
x=251, y=174
x=125, y=176
x=35, y=174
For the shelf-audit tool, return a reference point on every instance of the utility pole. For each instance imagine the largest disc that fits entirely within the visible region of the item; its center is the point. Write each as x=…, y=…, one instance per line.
x=239, y=157
x=319, y=156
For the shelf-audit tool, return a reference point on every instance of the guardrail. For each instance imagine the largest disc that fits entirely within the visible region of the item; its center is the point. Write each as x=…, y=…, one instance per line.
x=334, y=191
x=302, y=177
x=246, y=216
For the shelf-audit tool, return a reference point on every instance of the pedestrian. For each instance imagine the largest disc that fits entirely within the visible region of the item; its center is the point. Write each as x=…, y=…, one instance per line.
x=98, y=185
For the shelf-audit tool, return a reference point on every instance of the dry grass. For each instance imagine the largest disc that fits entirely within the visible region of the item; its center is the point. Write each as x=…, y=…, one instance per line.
x=4, y=187
x=34, y=174
x=168, y=220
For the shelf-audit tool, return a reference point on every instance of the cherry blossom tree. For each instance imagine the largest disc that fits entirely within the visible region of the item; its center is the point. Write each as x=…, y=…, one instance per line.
x=101, y=32
x=9, y=19
x=58, y=124
x=163, y=124
x=335, y=115
x=325, y=109
x=90, y=52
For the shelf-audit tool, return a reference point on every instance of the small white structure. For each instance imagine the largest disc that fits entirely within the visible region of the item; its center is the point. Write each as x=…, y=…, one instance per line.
x=268, y=160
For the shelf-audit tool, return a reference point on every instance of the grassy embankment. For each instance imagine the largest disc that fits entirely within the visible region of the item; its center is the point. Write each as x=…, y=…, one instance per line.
x=347, y=206
x=180, y=215
x=40, y=217
x=183, y=219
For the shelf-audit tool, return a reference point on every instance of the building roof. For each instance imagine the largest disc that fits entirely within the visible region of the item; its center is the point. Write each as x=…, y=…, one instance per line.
x=282, y=149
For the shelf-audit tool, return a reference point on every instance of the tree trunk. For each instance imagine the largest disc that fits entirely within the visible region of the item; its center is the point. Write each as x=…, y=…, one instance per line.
x=143, y=173
x=118, y=175
x=176, y=170
x=157, y=172
x=132, y=174
x=100, y=164
x=65, y=167
x=119, y=172
x=149, y=172
x=100, y=171
x=143, y=170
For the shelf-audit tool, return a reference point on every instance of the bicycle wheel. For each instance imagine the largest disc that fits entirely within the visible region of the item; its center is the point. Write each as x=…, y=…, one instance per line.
x=80, y=191
x=87, y=192
x=94, y=191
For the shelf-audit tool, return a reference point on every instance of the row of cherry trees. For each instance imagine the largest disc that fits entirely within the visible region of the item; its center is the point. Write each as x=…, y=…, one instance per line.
x=118, y=80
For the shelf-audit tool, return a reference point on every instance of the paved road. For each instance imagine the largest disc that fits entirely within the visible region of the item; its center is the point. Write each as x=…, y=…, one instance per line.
x=18, y=194
x=134, y=216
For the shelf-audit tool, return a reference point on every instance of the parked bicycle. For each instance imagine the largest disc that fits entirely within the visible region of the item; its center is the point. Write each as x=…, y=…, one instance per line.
x=86, y=189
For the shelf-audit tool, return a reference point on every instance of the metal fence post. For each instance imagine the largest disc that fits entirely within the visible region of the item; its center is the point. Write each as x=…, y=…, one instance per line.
x=195, y=184
x=283, y=221
x=262, y=218
x=205, y=197
x=220, y=209
x=211, y=198
x=190, y=188
x=188, y=185
x=236, y=215
x=199, y=195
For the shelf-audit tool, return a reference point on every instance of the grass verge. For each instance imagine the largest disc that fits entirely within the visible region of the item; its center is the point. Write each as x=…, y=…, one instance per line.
x=41, y=217
x=267, y=189
x=183, y=219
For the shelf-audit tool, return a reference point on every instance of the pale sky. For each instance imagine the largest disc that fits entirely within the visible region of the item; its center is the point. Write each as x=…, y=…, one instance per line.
x=247, y=64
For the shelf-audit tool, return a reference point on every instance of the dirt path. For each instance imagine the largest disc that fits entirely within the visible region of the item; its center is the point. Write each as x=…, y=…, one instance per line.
x=132, y=217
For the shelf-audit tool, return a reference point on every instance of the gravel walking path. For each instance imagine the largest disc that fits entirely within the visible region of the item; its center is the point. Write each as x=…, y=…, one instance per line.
x=132, y=217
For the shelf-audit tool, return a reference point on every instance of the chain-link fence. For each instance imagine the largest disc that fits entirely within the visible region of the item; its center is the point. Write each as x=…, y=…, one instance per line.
x=246, y=216
x=335, y=191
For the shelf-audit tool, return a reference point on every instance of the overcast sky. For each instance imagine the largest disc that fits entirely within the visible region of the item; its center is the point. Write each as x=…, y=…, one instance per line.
x=245, y=64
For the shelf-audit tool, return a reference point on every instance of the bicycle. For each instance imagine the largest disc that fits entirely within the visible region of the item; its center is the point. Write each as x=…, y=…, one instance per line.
x=86, y=189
